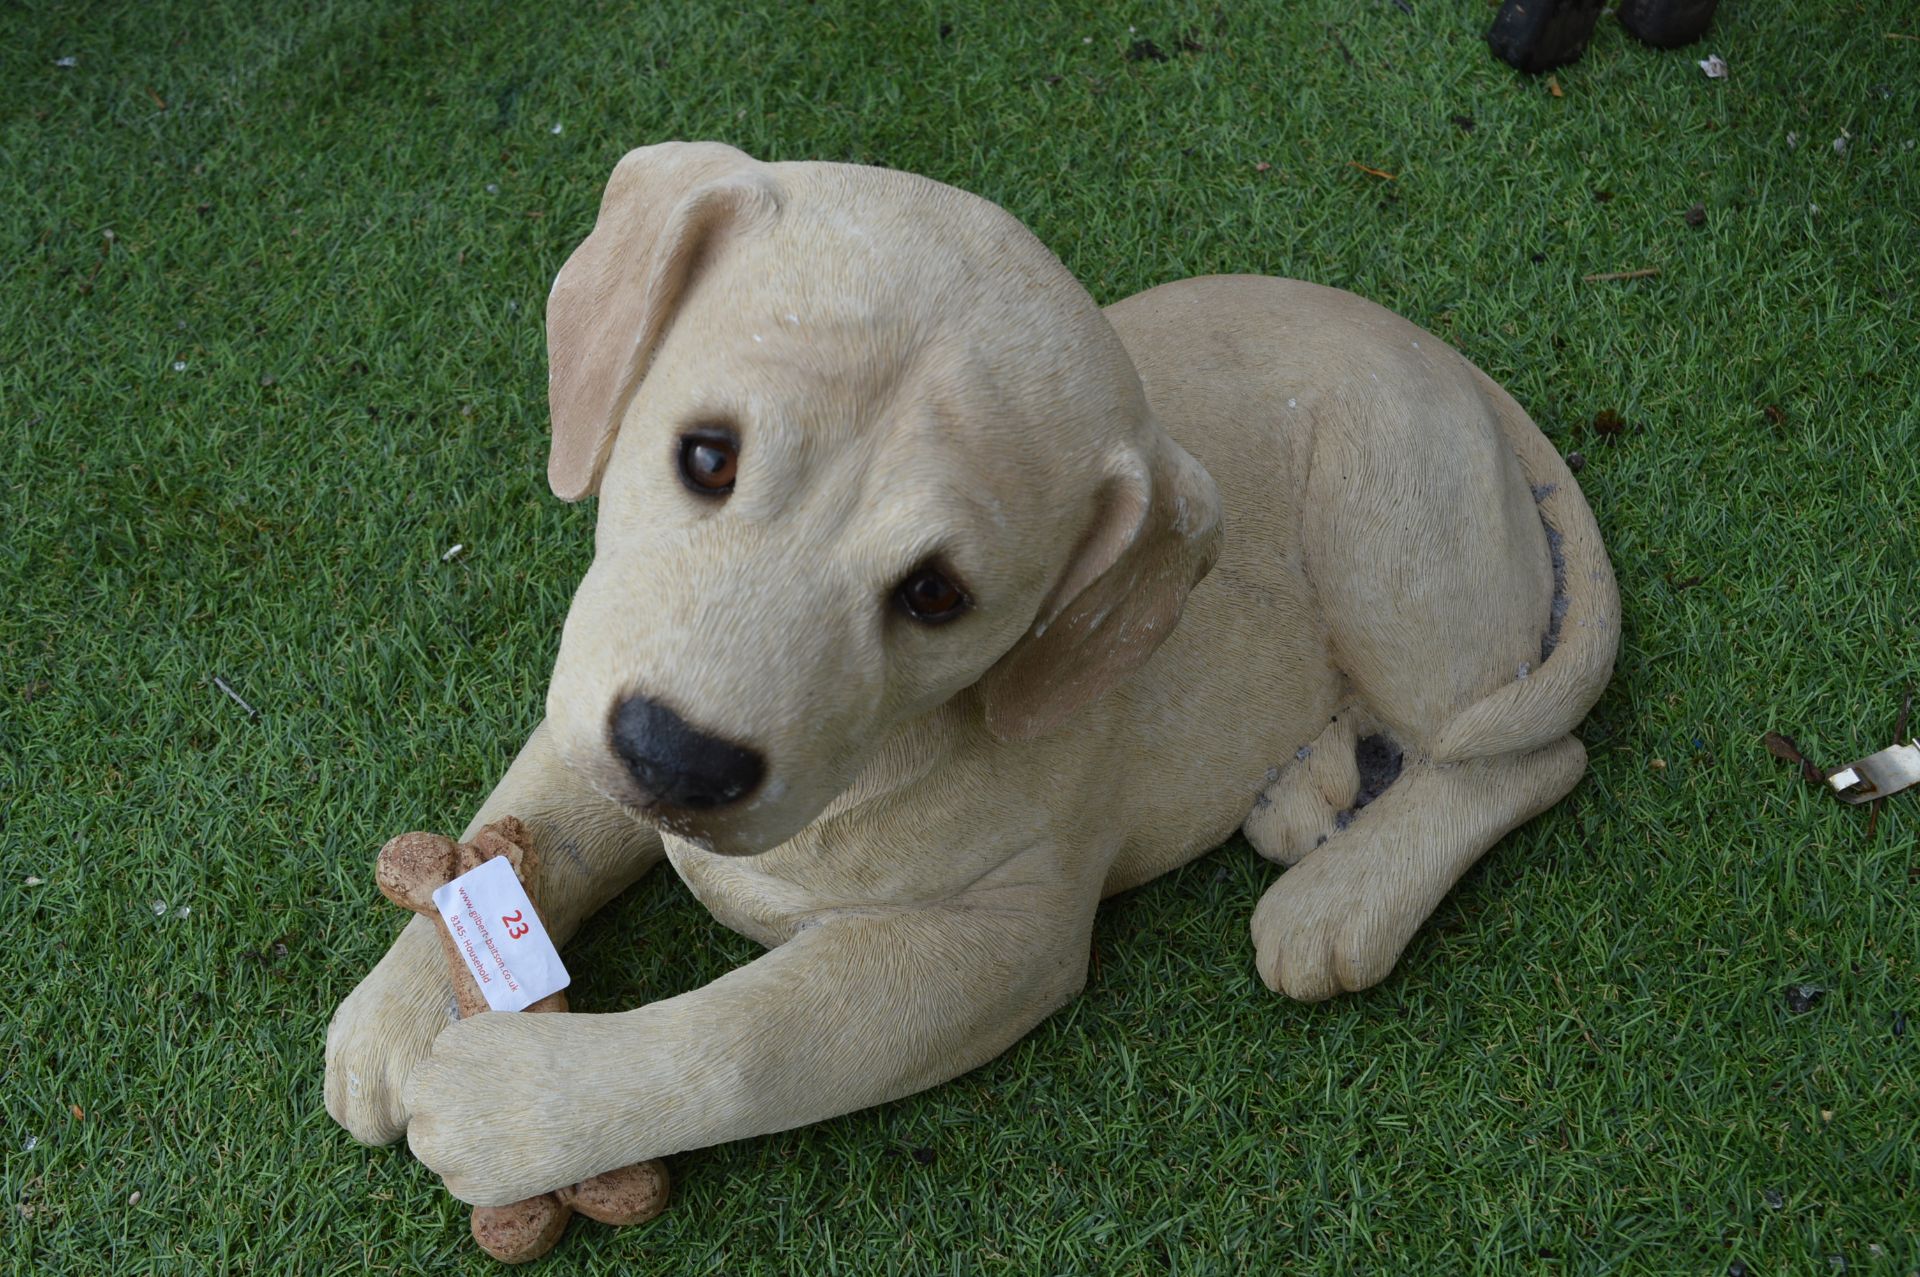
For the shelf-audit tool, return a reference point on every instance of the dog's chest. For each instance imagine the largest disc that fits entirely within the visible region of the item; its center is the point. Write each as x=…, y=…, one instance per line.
x=739, y=894
x=824, y=869
x=923, y=844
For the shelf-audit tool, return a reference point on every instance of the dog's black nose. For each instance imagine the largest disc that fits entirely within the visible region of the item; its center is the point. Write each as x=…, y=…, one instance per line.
x=677, y=763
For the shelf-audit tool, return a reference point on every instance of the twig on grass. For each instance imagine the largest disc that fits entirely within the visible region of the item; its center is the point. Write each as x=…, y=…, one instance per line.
x=221, y=683
x=1787, y=750
x=1340, y=44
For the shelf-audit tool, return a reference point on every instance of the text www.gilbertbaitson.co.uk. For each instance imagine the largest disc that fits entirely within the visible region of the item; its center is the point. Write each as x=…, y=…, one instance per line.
x=472, y=914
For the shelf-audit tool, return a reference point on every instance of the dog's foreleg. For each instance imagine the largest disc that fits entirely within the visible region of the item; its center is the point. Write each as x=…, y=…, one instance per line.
x=856, y=1009
x=590, y=851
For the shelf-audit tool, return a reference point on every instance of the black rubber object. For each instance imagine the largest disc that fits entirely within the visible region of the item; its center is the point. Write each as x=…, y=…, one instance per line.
x=1666, y=24
x=1538, y=35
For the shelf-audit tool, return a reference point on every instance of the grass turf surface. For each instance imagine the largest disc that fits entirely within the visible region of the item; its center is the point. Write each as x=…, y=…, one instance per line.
x=272, y=286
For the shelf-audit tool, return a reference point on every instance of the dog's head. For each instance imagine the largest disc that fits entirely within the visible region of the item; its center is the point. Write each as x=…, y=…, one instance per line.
x=863, y=450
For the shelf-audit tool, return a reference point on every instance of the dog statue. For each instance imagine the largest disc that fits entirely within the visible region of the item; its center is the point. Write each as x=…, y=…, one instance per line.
x=931, y=604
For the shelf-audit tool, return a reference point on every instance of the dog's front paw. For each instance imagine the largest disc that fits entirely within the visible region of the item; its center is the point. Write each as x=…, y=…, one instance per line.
x=381, y=1031
x=1317, y=934
x=494, y=1110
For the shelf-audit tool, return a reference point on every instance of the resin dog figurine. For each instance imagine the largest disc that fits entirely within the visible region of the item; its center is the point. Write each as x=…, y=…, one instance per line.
x=930, y=604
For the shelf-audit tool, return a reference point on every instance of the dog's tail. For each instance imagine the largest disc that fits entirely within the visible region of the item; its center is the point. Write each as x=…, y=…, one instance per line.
x=1583, y=629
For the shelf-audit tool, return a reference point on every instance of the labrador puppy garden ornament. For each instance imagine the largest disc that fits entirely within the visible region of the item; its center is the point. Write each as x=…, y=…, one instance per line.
x=931, y=604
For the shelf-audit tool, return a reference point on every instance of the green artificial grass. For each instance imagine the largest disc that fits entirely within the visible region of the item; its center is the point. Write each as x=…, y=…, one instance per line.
x=272, y=284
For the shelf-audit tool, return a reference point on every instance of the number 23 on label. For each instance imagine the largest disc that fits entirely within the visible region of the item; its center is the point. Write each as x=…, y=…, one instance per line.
x=514, y=925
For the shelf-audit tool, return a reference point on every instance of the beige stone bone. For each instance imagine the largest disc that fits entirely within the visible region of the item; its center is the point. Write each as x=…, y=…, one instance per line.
x=1223, y=541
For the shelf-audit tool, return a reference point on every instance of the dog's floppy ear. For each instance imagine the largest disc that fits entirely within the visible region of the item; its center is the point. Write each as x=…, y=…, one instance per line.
x=664, y=211
x=1156, y=532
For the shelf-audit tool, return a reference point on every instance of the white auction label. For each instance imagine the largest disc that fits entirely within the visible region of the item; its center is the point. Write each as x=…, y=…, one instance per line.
x=496, y=930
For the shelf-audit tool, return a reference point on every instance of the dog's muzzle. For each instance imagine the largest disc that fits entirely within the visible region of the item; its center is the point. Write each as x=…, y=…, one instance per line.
x=677, y=765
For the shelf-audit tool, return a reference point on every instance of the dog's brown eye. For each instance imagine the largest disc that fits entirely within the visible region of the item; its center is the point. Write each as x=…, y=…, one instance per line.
x=709, y=460
x=930, y=596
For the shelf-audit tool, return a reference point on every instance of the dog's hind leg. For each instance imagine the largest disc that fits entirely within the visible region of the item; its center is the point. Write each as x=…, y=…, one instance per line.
x=1337, y=922
x=1470, y=606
